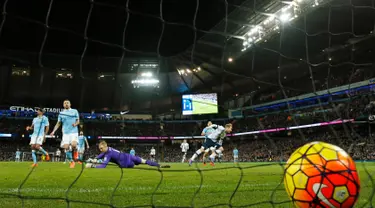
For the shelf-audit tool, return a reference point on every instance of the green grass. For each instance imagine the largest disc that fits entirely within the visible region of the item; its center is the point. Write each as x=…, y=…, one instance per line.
x=204, y=107
x=49, y=182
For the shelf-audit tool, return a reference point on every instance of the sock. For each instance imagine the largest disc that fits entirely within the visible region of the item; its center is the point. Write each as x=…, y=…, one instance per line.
x=212, y=157
x=76, y=155
x=69, y=156
x=33, y=155
x=151, y=163
x=183, y=158
x=196, y=154
x=218, y=152
x=43, y=151
x=80, y=157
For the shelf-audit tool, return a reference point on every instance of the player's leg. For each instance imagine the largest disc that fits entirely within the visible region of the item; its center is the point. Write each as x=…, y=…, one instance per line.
x=218, y=151
x=81, y=151
x=205, y=155
x=33, y=156
x=74, y=144
x=197, y=153
x=183, y=157
x=33, y=151
x=65, y=143
x=137, y=160
x=38, y=147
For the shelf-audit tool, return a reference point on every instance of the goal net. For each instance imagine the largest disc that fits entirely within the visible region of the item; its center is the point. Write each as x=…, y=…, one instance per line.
x=26, y=156
x=286, y=73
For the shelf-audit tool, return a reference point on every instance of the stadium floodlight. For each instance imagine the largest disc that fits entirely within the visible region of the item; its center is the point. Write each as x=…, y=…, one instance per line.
x=285, y=17
x=270, y=24
x=145, y=81
x=230, y=59
x=188, y=71
x=146, y=74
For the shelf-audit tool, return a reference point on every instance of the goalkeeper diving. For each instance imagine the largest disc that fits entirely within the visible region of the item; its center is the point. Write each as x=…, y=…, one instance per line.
x=122, y=159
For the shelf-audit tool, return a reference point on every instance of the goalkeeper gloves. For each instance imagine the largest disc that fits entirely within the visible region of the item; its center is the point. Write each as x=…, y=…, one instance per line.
x=90, y=165
x=92, y=160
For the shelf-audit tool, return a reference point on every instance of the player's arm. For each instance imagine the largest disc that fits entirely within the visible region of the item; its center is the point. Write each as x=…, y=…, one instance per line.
x=213, y=126
x=100, y=156
x=104, y=163
x=46, y=130
x=204, y=132
x=87, y=143
x=77, y=119
x=58, y=124
x=28, y=128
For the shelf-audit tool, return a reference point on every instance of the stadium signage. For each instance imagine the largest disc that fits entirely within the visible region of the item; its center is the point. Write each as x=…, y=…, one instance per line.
x=371, y=117
x=21, y=108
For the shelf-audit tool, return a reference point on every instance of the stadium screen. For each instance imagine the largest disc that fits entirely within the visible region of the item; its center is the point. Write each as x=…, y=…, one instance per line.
x=199, y=104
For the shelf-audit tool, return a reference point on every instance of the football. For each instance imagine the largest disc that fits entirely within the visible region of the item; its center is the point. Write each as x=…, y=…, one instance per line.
x=319, y=174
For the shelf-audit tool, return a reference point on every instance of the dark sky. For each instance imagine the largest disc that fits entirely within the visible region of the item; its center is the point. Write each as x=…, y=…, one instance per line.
x=24, y=28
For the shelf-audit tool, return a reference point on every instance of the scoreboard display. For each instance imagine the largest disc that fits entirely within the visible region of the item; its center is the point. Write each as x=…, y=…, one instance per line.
x=195, y=104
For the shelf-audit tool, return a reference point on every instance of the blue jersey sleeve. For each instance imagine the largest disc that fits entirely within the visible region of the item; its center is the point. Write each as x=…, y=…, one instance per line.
x=100, y=156
x=47, y=121
x=105, y=162
x=59, y=118
x=76, y=115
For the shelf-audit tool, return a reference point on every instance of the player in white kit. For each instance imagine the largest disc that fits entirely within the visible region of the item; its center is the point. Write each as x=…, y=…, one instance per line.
x=184, y=148
x=214, y=142
x=152, y=154
x=69, y=118
x=58, y=155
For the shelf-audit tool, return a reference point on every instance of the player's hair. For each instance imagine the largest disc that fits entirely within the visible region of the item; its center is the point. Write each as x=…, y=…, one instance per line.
x=228, y=125
x=67, y=100
x=40, y=109
x=104, y=143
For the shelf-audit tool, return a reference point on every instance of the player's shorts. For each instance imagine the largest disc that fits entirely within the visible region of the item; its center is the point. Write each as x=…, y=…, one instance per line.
x=152, y=156
x=36, y=140
x=17, y=157
x=209, y=143
x=69, y=138
x=235, y=157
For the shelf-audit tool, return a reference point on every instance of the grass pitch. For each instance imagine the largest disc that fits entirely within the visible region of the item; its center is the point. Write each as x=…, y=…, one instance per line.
x=204, y=107
x=47, y=186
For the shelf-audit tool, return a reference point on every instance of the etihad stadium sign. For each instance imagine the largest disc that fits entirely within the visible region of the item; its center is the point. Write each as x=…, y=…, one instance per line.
x=29, y=109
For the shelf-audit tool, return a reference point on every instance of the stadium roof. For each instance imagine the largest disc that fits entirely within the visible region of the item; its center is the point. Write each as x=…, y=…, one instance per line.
x=326, y=31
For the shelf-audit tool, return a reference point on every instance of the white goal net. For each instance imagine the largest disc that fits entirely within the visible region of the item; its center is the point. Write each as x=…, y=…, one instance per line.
x=26, y=156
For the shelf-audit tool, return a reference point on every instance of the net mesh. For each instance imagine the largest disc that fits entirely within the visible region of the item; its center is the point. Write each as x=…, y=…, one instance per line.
x=311, y=51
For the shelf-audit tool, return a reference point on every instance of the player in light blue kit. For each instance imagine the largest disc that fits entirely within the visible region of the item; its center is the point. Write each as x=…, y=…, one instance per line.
x=235, y=155
x=206, y=131
x=82, y=141
x=18, y=155
x=69, y=118
x=132, y=151
x=41, y=126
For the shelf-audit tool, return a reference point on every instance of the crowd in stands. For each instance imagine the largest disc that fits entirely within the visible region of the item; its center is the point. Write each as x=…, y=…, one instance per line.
x=274, y=147
x=355, y=139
